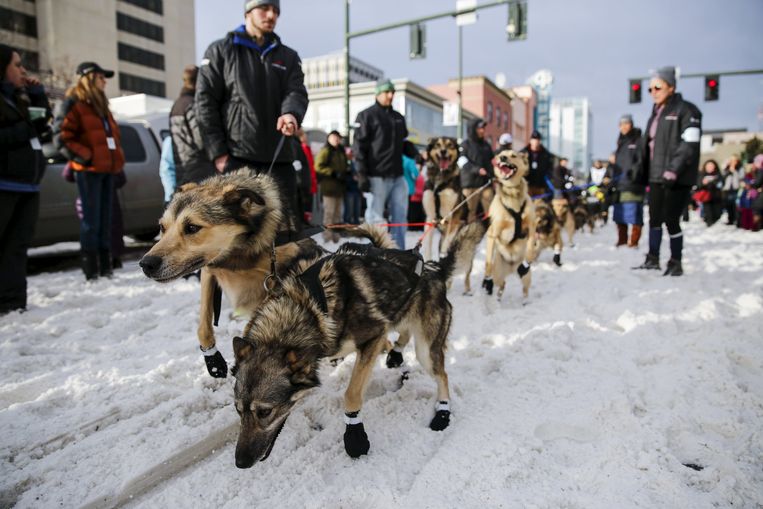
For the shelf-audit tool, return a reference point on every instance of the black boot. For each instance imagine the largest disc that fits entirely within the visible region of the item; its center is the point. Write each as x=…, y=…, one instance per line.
x=652, y=262
x=104, y=263
x=89, y=261
x=674, y=268
x=116, y=262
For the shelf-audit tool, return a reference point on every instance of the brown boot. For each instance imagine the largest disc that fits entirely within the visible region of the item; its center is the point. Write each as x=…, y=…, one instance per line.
x=622, y=234
x=635, y=235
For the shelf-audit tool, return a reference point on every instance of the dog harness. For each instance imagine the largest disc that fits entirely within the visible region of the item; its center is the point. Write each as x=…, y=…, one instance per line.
x=519, y=233
x=311, y=280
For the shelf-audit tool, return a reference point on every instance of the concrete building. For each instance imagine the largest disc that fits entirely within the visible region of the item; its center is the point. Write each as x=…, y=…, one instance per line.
x=328, y=71
x=571, y=132
x=482, y=98
x=524, y=101
x=146, y=42
x=422, y=108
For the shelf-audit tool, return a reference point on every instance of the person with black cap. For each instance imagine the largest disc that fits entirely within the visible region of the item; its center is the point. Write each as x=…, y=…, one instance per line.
x=541, y=163
x=191, y=161
x=86, y=133
x=24, y=115
x=249, y=89
x=476, y=169
x=379, y=144
x=505, y=142
x=629, y=206
x=670, y=157
x=331, y=167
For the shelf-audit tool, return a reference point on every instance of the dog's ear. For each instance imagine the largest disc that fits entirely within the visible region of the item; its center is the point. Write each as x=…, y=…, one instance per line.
x=187, y=187
x=430, y=144
x=525, y=158
x=243, y=197
x=242, y=349
x=304, y=373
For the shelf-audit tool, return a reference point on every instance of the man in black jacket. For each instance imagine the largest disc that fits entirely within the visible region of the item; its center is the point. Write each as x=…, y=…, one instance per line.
x=476, y=168
x=191, y=161
x=541, y=163
x=379, y=145
x=671, y=164
x=250, y=88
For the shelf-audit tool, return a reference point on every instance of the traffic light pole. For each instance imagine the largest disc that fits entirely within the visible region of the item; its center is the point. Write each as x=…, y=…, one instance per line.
x=351, y=35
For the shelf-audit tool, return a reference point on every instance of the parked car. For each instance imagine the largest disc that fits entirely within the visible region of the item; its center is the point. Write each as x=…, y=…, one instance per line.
x=142, y=198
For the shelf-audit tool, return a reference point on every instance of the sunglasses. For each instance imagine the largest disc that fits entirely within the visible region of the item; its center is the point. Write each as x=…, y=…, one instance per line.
x=655, y=88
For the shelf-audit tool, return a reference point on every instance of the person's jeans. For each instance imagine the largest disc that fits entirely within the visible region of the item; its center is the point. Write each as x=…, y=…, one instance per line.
x=95, y=193
x=392, y=192
x=352, y=206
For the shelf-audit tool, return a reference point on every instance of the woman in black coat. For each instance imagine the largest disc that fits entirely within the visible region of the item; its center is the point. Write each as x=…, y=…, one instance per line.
x=709, y=188
x=24, y=115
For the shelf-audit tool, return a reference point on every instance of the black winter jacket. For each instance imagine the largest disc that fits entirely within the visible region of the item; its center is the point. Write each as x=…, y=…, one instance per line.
x=628, y=167
x=19, y=162
x=541, y=164
x=380, y=142
x=475, y=154
x=241, y=91
x=560, y=177
x=191, y=161
x=676, y=145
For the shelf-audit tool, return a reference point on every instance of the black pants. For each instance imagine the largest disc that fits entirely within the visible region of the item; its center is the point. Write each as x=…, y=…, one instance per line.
x=18, y=216
x=286, y=178
x=666, y=204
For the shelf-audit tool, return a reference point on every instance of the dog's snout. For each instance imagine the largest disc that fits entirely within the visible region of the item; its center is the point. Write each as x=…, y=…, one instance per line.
x=244, y=460
x=150, y=264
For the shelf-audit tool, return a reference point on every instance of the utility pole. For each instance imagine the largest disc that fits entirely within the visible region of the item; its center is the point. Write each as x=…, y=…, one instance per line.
x=460, y=131
x=347, y=70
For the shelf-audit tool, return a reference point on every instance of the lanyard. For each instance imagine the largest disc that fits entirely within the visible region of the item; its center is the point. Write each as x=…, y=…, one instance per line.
x=107, y=127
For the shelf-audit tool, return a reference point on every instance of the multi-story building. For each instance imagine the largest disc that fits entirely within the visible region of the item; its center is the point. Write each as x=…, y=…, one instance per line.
x=571, y=132
x=484, y=99
x=524, y=100
x=146, y=42
x=328, y=71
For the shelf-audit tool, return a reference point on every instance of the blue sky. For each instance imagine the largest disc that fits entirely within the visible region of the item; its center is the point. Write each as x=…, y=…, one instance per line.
x=591, y=46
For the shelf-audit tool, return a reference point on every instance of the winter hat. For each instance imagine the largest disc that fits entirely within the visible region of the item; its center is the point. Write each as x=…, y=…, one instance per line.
x=535, y=135
x=505, y=139
x=666, y=74
x=626, y=119
x=384, y=86
x=251, y=4
x=87, y=67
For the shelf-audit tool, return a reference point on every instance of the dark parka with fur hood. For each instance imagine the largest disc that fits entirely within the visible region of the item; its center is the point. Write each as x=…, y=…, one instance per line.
x=476, y=153
x=241, y=90
x=676, y=147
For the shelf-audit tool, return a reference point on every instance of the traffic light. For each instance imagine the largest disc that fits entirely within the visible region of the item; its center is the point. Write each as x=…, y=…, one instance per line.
x=712, y=82
x=418, y=41
x=516, y=28
x=635, y=91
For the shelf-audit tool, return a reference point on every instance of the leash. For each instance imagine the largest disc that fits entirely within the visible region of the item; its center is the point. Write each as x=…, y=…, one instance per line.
x=277, y=152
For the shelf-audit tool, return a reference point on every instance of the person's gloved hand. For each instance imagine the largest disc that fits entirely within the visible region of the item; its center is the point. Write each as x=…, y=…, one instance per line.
x=669, y=178
x=363, y=184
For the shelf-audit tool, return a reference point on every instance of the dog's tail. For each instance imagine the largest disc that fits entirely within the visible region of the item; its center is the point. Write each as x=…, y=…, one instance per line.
x=461, y=251
x=378, y=235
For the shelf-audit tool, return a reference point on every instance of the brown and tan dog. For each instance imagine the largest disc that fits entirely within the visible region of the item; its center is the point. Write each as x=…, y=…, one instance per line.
x=442, y=192
x=548, y=233
x=510, y=245
x=226, y=226
x=565, y=217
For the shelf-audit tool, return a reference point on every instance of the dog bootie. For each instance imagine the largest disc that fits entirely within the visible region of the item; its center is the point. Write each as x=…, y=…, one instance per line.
x=487, y=284
x=441, y=419
x=216, y=365
x=558, y=259
x=394, y=358
x=355, y=439
x=523, y=269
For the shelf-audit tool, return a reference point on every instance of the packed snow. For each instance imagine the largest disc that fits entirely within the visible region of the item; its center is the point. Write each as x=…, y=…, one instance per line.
x=608, y=388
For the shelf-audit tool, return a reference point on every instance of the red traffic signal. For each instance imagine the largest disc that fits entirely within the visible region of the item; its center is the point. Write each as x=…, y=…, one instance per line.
x=712, y=83
x=634, y=91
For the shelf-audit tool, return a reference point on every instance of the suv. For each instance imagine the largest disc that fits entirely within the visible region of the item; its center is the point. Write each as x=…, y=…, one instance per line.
x=142, y=198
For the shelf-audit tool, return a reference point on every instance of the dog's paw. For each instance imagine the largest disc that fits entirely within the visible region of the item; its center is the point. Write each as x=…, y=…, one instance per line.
x=523, y=269
x=468, y=293
x=487, y=284
x=558, y=260
x=216, y=365
x=356, y=441
x=440, y=421
x=394, y=359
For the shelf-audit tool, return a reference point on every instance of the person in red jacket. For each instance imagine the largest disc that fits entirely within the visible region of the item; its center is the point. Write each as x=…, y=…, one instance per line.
x=87, y=134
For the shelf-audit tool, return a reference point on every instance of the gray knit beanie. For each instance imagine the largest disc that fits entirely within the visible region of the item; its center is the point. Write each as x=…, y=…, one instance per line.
x=251, y=4
x=666, y=74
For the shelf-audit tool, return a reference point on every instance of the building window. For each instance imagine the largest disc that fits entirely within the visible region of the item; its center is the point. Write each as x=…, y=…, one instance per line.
x=139, y=27
x=498, y=116
x=150, y=5
x=140, y=56
x=30, y=60
x=506, y=120
x=18, y=22
x=141, y=85
x=489, y=111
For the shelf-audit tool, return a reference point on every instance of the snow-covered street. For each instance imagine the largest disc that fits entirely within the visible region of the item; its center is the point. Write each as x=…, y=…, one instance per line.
x=595, y=394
